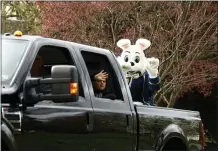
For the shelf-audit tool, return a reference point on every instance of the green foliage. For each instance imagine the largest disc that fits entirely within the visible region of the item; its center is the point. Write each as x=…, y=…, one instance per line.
x=20, y=15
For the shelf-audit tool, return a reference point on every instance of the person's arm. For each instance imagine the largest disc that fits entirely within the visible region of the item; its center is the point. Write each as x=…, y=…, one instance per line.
x=99, y=76
x=152, y=65
x=154, y=84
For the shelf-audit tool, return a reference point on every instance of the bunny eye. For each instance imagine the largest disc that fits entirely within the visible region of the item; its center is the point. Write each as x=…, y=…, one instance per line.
x=137, y=59
x=126, y=59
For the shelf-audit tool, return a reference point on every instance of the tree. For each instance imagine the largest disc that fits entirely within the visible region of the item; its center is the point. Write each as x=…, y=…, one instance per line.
x=70, y=20
x=187, y=47
x=183, y=36
x=20, y=15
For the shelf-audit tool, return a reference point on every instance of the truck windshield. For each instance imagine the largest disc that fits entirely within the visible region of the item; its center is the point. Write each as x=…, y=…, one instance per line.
x=12, y=52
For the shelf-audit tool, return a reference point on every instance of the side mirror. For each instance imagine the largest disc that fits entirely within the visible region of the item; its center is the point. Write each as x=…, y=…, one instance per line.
x=61, y=87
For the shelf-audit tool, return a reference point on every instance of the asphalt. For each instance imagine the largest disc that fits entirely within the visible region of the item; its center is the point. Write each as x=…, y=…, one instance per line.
x=211, y=147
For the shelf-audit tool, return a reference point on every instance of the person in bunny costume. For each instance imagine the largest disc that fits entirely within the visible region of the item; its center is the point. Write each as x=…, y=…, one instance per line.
x=141, y=72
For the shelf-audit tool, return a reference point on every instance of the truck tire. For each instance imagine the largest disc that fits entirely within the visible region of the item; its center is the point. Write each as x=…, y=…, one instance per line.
x=7, y=146
x=7, y=139
x=174, y=144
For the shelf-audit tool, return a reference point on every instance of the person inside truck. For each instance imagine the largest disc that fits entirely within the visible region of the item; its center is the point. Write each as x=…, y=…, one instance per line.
x=99, y=82
x=38, y=71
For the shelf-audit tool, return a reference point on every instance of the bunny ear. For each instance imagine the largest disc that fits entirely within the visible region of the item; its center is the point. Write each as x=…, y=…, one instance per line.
x=124, y=43
x=143, y=43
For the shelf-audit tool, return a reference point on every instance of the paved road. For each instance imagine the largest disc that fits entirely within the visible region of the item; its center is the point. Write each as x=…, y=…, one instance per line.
x=211, y=147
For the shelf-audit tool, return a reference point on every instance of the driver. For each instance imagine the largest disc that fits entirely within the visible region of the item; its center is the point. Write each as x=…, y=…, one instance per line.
x=38, y=71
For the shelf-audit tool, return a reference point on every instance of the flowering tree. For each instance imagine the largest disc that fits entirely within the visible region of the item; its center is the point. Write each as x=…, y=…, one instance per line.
x=183, y=36
x=70, y=20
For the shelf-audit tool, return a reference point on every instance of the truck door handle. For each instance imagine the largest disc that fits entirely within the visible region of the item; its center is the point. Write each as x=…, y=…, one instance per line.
x=128, y=125
x=89, y=124
x=87, y=117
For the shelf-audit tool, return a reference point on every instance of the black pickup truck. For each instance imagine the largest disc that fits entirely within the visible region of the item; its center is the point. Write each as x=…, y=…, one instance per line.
x=70, y=117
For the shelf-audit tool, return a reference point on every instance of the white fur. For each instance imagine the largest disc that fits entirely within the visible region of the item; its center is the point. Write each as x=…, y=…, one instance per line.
x=124, y=43
x=133, y=60
x=143, y=43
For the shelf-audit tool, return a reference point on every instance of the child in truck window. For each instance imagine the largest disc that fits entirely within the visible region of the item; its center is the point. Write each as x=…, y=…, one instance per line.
x=99, y=82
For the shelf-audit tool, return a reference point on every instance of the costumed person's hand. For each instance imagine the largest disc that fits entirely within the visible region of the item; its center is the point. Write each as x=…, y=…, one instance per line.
x=152, y=65
x=101, y=75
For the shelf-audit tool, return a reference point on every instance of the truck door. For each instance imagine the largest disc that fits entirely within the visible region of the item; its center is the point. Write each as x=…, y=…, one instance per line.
x=113, y=118
x=49, y=126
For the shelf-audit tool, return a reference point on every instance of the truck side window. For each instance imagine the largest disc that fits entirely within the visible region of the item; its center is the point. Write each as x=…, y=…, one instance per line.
x=98, y=62
x=49, y=56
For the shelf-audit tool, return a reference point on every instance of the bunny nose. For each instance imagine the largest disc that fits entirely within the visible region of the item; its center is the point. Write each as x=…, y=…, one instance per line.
x=132, y=63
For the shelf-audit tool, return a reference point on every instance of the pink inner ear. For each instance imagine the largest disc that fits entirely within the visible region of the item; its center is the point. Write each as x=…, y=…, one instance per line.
x=141, y=45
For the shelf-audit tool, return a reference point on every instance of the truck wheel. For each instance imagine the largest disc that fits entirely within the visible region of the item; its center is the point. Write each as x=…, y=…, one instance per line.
x=175, y=144
x=7, y=139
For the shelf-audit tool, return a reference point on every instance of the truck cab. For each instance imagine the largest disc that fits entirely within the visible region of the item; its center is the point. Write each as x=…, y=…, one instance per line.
x=66, y=115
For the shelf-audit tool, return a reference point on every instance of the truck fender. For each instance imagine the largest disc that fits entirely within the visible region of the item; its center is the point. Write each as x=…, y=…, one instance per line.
x=171, y=131
x=7, y=136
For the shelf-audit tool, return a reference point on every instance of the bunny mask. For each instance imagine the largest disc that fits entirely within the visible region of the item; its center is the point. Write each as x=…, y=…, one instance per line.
x=132, y=59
